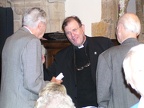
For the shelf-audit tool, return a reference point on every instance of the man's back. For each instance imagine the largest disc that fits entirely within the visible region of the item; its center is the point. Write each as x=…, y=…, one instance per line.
x=14, y=89
x=112, y=90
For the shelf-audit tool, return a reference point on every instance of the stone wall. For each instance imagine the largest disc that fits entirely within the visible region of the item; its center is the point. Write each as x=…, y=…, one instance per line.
x=110, y=14
x=140, y=13
x=55, y=10
x=109, y=18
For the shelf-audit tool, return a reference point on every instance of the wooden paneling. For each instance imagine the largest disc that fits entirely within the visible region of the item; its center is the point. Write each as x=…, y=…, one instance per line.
x=53, y=46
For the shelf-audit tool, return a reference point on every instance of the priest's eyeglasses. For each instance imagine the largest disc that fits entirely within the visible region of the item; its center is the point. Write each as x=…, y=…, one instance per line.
x=81, y=68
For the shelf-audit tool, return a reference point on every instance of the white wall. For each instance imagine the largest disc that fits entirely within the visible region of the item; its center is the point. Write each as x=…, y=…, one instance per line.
x=89, y=11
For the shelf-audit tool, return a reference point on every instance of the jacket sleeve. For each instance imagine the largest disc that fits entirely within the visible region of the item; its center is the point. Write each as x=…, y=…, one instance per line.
x=104, y=79
x=50, y=72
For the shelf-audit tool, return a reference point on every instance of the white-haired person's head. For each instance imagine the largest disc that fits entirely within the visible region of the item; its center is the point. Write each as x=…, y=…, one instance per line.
x=35, y=20
x=133, y=65
x=131, y=22
x=128, y=27
x=54, y=95
x=33, y=16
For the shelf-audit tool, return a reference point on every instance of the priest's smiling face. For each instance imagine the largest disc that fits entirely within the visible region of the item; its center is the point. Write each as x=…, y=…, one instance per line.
x=75, y=33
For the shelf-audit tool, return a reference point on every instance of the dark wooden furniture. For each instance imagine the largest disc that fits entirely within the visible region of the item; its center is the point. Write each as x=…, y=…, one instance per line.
x=53, y=46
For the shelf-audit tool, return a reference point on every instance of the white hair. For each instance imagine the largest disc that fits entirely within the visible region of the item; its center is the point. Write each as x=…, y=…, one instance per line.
x=33, y=16
x=59, y=100
x=54, y=96
x=131, y=22
x=133, y=60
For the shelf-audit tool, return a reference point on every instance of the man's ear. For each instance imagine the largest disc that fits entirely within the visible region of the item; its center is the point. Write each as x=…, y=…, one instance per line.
x=83, y=27
x=121, y=27
x=39, y=24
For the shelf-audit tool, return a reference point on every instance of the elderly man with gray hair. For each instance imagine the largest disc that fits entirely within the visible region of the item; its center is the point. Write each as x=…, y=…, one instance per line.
x=112, y=90
x=22, y=67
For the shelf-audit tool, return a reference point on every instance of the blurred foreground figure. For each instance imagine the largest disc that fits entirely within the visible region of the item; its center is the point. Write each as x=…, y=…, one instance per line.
x=54, y=96
x=134, y=71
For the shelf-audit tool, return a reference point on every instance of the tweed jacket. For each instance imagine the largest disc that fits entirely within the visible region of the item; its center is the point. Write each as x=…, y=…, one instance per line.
x=22, y=70
x=112, y=90
x=64, y=62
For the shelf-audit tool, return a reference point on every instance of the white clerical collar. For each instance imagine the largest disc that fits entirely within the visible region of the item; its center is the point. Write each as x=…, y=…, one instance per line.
x=28, y=29
x=81, y=46
x=141, y=103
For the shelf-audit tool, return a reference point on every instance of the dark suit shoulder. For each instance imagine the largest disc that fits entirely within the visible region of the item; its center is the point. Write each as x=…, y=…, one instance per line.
x=99, y=39
x=102, y=42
